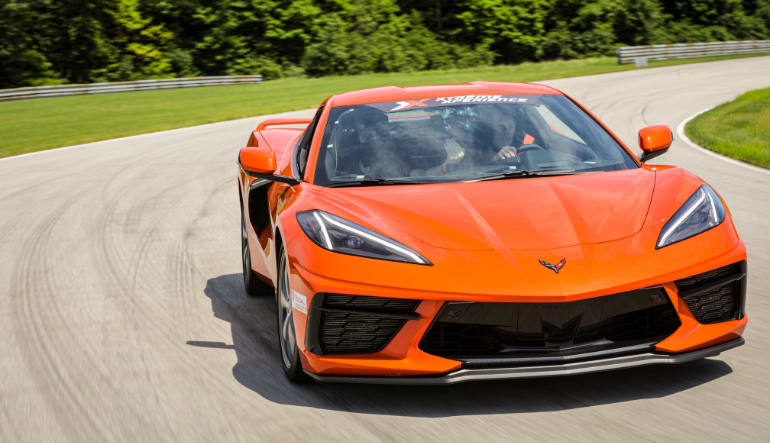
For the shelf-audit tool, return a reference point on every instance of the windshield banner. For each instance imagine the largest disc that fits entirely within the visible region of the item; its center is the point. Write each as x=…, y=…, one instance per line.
x=412, y=105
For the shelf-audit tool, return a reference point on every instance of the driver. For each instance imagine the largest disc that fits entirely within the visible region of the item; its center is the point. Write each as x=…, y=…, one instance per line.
x=501, y=127
x=494, y=129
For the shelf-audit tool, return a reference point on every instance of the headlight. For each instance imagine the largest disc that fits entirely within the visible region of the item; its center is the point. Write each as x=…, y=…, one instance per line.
x=701, y=212
x=339, y=235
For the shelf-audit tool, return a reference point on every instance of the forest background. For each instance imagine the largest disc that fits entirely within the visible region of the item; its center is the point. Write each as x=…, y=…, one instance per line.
x=81, y=41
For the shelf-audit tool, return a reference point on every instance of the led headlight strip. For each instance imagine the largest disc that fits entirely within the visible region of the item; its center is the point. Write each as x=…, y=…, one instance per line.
x=325, y=233
x=373, y=238
x=701, y=212
x=343, y=236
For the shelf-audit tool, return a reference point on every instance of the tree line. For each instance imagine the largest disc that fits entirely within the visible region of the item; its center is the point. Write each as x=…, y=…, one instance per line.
x=82, y=41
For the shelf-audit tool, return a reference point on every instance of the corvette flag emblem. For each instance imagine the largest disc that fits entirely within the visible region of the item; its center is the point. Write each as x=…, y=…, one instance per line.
x=555, y=268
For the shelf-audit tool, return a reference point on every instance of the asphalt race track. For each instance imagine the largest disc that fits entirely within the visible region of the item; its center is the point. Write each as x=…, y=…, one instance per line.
x=122, y=313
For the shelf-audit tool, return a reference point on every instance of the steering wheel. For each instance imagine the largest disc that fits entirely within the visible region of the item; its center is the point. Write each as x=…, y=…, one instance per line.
x=529, y=148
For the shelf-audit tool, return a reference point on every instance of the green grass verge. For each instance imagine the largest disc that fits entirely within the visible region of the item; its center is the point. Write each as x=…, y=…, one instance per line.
x=739, y=129
x=37, y=124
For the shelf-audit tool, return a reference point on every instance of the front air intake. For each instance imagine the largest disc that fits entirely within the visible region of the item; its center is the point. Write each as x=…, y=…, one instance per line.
x=717, y=295
x=487, y=334
x=356, y=324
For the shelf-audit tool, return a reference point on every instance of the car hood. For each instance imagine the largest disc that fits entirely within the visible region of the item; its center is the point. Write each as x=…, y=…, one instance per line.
x=514, y=214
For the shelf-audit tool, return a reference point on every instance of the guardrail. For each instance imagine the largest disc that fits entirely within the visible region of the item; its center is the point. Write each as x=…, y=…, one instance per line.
x=630, y=54
x=139, y=85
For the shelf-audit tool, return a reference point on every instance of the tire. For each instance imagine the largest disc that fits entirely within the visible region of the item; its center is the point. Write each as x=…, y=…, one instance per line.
x=287, y=339
x=254, y=286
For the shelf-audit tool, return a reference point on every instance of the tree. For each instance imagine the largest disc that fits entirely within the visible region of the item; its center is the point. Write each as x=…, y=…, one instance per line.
x=78, y=41
x=22, y=62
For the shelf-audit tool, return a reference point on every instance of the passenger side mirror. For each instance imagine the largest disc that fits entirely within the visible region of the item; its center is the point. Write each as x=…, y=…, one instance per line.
x=654, y=141
x=257, y=160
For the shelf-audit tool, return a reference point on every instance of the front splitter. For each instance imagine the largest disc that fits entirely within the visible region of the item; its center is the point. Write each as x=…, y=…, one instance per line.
x=503, y=373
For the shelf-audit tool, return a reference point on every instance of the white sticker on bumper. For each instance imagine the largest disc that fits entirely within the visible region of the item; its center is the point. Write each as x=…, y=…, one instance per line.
x=299, y=302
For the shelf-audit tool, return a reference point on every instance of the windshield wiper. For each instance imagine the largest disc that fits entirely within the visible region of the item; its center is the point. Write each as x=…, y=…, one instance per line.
x=526, y=173
x=373, y=182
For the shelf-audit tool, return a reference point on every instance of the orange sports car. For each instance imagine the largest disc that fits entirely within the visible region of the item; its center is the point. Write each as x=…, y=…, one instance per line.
x=440, y=234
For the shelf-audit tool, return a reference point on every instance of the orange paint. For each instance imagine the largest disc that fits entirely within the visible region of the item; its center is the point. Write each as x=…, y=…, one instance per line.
x=655, y=138
x=259, y=160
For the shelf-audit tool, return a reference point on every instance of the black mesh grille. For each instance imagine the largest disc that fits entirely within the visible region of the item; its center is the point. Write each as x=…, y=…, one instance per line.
x=716, y=295
x=369, y=303
x=708, y=277
x=534, y=330
x=357, y=324
x=355, y=333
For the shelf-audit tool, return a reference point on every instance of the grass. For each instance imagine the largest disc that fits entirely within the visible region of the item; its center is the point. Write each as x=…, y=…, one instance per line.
x=739, y=129
x=38, y=124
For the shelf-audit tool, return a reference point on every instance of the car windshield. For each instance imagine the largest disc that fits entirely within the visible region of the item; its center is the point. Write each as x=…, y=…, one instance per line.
x=463, y=138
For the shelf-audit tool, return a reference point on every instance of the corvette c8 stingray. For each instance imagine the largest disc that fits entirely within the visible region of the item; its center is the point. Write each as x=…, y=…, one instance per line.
x=439, y=234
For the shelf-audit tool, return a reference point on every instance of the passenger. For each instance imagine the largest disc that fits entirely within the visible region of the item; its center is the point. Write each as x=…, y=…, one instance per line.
x=371, y=151
x=378, y=158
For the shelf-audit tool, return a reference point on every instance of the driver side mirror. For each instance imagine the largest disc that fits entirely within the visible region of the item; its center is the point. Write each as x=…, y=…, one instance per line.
x=257, y=160
x=654, y=141
x=260, y=163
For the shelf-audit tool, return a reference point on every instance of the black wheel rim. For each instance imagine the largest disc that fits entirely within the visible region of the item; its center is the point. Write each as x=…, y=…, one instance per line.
x=245, y=253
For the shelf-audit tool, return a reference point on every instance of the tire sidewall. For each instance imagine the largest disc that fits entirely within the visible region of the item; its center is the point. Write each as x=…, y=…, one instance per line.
x=294, y=370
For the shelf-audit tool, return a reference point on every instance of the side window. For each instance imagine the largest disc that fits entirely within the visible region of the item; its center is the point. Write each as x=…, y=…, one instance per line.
x=557, y=125
x=304, y=144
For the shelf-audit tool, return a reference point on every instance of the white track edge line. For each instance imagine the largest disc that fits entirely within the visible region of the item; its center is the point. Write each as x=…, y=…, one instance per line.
x=680, y=133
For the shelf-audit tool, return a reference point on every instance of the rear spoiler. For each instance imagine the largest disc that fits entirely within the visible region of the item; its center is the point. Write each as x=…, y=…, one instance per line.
x=284, y=121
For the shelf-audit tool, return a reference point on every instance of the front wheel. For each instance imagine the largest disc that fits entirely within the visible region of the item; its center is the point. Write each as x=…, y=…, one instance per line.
x=287, y=339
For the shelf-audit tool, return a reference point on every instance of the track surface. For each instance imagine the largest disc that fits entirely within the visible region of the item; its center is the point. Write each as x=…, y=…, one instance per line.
x=122, y=314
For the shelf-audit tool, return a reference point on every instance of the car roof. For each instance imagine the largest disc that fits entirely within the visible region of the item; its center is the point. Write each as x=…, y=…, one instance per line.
x=396, y=93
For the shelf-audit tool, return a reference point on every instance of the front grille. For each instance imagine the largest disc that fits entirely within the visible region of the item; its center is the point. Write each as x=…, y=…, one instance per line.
x=525, y=332
x=355, y=333
x=369, y=303
x=717, y=295
x=356, y=324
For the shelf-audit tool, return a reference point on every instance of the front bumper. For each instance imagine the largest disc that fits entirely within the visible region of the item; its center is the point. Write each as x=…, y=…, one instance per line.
x=403, y=358
x=504, y=373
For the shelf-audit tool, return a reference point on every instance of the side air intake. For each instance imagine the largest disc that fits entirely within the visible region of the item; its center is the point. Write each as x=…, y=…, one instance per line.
x=717, y=295
x=356, y=324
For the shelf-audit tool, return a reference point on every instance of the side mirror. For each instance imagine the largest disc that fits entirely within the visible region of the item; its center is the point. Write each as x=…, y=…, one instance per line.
x=260, y=163
x=257, y=160
x=654, y=141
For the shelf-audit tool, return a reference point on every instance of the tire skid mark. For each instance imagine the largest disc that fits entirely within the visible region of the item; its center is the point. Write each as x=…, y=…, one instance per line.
x=139, y=281
x=186, y=275
x=106, y=381
x=161, y=317
x=41, y=354
x=189, y=270
x=185, y=270
x=643, y=113
x=127, y=298
x=8, y=229
x=133, y=310
x=8, y=429
x=28, y=185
